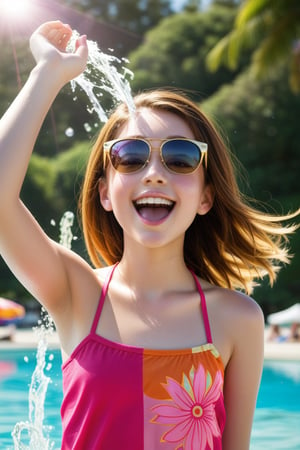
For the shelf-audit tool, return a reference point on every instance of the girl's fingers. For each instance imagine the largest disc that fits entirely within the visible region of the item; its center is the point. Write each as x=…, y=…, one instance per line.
x=57, y=33
x=81, y=42
x=81, y=50
x=63, y=40
x=49, y=43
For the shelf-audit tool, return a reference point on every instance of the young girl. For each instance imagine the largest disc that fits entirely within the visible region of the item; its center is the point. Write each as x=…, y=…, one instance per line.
x=159, y=351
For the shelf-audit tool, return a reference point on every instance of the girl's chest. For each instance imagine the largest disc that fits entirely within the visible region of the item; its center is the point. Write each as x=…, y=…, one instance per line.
x=156, y=325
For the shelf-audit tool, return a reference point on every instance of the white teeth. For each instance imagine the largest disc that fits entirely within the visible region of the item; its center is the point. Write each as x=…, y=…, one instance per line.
x=154, y=201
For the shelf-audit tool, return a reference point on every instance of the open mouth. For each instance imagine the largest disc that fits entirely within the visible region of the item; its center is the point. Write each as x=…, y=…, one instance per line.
x=153, y=209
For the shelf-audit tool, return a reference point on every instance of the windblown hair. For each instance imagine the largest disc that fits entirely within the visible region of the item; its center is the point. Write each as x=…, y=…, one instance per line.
x=230, y=246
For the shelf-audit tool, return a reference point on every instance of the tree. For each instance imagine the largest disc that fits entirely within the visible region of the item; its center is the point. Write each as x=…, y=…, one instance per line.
x=174, y=52
x=136, y=16
x=192, y=6
x=271, y=28
x=260, y=120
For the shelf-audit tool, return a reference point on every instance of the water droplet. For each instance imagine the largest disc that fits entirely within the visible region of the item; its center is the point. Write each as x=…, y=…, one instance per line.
x=69, y=132
x=52, y=222
x=87, y=127
x=26, y=359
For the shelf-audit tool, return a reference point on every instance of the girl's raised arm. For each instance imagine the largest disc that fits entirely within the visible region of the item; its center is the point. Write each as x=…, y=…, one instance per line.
x=38, y=262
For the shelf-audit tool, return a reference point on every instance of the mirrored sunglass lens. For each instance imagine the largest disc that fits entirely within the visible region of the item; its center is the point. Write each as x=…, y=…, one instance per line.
x=181, y=156
x=129, y=155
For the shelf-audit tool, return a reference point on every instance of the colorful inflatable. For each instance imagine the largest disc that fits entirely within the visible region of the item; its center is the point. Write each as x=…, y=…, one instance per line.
x=10, y=311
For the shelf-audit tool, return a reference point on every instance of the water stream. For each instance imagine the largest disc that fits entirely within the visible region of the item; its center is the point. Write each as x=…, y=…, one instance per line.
x=33, y=434
x=104, y=73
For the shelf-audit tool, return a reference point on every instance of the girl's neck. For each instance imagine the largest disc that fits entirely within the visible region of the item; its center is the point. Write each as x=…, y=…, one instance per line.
x=155, y=271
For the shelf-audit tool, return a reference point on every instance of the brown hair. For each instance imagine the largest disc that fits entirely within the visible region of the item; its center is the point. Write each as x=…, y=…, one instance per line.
x=230, y=246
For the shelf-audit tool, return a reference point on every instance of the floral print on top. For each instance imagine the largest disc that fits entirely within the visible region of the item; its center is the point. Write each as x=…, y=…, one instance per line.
x=183, y=399
x=191, y=413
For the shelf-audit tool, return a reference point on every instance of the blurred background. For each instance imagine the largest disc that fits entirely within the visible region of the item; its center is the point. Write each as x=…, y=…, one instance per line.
x=240, y=60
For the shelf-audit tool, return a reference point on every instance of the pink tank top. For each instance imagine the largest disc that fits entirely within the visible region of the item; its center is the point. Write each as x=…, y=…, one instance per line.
x=118, y=396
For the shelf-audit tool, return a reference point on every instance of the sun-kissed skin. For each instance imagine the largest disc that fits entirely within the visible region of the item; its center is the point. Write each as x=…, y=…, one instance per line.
x=152, y=301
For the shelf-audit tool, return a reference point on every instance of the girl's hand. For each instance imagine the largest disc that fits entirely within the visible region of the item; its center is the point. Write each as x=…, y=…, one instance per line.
x=48, y=46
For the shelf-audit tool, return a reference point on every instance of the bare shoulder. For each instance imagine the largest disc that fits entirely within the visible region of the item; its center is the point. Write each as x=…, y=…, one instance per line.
x=240, y=305
x=235, y=319
x=231, y=305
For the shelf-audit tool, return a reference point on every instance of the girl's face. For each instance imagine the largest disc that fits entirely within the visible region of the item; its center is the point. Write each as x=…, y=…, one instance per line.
x=153, y=206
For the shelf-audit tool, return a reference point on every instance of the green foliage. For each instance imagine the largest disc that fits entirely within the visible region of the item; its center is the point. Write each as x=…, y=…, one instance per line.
x=271, y=29
x=136, y=16
x=192, y=6
x=69, y=169
x=174, y=53
x=260, y=119
x=64, y=114
x=12, y=68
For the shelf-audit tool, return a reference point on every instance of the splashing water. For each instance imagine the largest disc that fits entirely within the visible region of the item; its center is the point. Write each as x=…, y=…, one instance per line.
x=65, y=227
x=101, y=75
x=36, y=433
x=33, y=431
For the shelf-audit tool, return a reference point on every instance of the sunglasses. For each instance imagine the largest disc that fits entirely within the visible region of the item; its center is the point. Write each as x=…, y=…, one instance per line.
x=181, y=156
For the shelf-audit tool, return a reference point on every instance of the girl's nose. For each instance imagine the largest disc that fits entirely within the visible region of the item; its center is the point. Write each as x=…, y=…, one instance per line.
x=154, y=172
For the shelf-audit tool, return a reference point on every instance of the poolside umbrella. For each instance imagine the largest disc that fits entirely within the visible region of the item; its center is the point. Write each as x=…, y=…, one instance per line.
x=10, y=311
x=286, y=316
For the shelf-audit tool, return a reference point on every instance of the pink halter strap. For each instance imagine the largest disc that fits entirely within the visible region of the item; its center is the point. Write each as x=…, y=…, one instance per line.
x=203, y=310
x=102, y=297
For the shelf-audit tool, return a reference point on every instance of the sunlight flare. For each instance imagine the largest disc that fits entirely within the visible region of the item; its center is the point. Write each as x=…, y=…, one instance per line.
x=15, y=9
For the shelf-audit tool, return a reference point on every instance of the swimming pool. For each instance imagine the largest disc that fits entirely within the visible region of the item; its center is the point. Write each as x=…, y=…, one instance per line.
x=277, y=416
x=16, y=369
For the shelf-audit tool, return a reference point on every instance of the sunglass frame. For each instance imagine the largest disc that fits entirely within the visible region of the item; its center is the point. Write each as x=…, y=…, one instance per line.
x=202, y=146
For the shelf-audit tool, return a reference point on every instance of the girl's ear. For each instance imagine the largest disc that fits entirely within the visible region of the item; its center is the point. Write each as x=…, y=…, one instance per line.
x=104, y=194
x=207, y=200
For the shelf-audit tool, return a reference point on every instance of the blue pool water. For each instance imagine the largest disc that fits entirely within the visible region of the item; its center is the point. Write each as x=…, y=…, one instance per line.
x=277, y=416
x=16, y=369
